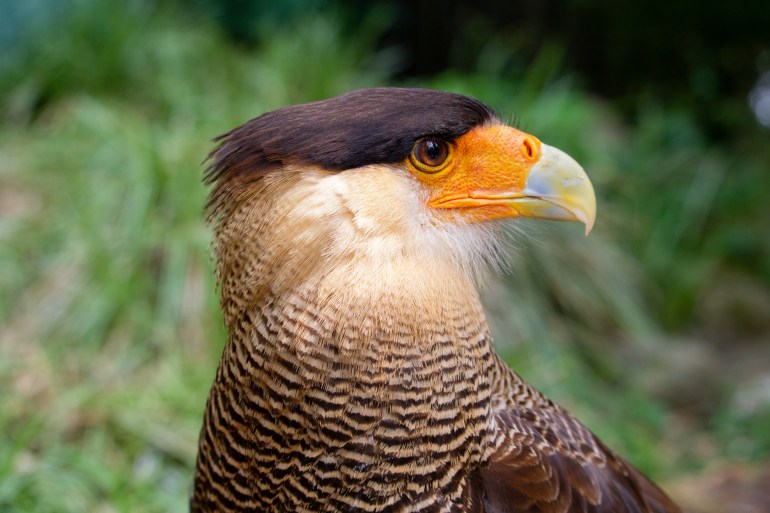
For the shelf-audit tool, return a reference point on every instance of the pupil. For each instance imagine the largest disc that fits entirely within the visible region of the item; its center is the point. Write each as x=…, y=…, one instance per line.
x=433, y=150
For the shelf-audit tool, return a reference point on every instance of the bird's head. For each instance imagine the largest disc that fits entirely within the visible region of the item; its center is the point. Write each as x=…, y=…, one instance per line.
x=393, y=177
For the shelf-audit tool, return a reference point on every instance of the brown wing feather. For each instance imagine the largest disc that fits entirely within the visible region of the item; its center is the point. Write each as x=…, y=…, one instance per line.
x=549, y=463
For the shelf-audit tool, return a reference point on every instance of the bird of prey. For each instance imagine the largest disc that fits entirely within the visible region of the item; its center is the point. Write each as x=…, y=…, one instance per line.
x=359, y=373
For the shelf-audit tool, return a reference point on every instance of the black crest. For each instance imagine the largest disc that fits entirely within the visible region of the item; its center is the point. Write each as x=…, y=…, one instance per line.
x=363, y=127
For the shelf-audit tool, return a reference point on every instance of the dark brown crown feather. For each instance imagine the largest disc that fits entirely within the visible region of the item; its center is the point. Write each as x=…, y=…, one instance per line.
x=367, y=126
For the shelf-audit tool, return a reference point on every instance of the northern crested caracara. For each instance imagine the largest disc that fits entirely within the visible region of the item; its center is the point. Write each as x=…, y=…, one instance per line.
x=359, y=373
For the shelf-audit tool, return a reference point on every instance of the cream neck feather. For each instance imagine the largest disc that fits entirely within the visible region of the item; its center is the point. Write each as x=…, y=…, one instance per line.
x=363, y=233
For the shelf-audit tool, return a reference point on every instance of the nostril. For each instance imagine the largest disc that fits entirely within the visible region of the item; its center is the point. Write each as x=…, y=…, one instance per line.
x=530, y=149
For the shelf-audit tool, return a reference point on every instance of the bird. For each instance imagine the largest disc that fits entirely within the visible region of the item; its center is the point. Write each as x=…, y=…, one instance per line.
x=351, y=236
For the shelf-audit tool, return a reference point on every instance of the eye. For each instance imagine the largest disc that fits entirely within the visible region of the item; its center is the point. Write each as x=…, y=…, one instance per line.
x=430, y=154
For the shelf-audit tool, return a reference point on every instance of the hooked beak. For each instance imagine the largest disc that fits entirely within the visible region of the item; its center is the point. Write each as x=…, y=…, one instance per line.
x=557, y=188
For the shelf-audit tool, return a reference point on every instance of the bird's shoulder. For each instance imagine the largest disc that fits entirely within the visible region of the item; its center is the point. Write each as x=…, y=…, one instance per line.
x=548, y=462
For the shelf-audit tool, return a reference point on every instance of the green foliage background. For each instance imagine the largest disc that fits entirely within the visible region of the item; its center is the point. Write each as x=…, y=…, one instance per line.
x=653, y=330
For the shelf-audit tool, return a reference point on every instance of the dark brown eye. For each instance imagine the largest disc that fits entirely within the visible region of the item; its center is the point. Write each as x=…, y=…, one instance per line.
x=430, y=153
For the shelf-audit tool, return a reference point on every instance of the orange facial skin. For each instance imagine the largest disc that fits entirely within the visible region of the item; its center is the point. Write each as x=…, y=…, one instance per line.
x=484, y=165
x=497, y=171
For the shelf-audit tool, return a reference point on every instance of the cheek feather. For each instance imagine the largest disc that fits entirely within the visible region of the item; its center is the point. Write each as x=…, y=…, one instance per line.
x=370, y=221
x=381, y=213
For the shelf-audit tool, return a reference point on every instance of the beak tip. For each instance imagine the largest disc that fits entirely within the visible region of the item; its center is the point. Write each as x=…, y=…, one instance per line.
x=586, y=220
x=589, y=216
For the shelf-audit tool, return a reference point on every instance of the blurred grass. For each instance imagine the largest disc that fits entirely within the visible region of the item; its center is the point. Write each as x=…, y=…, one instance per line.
x=109, y=327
